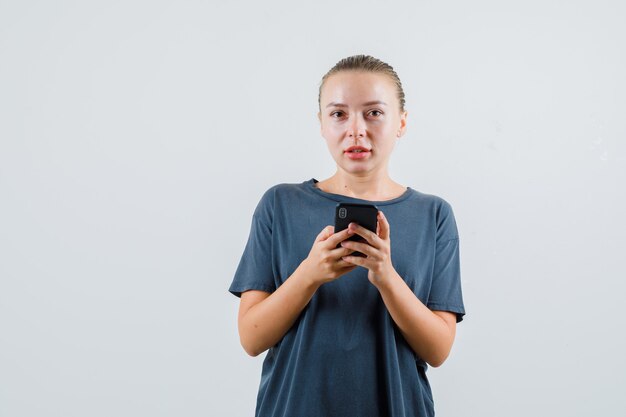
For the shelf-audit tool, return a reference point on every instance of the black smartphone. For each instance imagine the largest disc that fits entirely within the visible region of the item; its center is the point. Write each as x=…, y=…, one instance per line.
x=365, y=215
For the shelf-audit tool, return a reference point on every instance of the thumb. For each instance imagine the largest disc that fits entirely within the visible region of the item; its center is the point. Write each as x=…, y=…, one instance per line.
x=325, y=233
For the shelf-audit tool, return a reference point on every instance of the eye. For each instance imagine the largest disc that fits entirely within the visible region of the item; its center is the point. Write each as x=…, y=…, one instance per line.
x=376, y=111
x=334, y=113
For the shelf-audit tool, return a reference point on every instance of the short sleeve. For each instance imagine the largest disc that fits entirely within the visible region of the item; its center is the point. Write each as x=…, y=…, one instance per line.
x=445, y=292
x=255, y=271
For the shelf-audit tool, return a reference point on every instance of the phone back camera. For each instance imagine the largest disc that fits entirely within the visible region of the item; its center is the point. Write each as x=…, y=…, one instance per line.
x=343, y=213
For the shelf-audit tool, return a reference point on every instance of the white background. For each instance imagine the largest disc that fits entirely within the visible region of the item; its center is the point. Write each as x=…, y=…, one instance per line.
x=136, y=138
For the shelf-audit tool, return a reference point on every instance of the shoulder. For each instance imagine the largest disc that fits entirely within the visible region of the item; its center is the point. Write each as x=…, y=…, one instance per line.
x=282, y=190
x=434, y=202
x=278, y=194
x=440, y=212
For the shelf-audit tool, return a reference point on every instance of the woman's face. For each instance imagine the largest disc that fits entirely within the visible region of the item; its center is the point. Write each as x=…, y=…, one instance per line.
x=360, y=109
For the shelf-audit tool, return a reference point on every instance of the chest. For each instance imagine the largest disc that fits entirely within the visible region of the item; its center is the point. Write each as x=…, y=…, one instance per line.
x=412, y=241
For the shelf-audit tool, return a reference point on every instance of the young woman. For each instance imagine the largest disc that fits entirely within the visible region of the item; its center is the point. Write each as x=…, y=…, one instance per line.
x=347, y=335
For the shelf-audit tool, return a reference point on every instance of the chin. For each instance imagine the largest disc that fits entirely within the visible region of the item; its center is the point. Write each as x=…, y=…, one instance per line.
x=356, y=169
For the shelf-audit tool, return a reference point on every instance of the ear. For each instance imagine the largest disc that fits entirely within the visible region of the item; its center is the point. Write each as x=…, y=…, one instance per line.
x=319, y=117
x=402, y=129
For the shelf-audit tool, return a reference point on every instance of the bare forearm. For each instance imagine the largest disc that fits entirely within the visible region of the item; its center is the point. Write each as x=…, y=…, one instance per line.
x=427, y=334
x=265, y=323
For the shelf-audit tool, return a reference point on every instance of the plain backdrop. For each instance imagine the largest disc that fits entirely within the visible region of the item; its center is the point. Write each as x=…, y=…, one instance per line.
x=136, y=138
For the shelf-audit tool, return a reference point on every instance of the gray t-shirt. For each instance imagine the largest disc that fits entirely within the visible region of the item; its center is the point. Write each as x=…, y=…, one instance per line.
x=344, y=355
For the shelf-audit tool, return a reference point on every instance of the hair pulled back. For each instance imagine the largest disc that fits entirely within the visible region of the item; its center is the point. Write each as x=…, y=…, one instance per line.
x=365, y=63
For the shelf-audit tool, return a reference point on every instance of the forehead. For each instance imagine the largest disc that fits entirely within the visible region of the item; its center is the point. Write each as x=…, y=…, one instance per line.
x=358, y=86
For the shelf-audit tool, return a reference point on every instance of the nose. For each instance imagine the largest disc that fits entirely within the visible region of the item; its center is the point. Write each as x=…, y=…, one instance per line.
x=356, y=127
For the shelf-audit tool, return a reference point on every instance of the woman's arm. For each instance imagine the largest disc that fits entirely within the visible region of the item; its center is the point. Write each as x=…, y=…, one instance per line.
x=430, y=334
x=264, y=317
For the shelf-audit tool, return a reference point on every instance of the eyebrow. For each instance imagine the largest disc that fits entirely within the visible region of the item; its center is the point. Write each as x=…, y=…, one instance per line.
x=369, y=103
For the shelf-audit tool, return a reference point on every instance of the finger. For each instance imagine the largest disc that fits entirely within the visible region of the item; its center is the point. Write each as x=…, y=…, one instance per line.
x=356, y=260
x=337, y=255
x=341, y=251
x=384, y=226
x=368, y=235
x=325, y=233
x=364, y=248
x=339, y=236
x=345, y=265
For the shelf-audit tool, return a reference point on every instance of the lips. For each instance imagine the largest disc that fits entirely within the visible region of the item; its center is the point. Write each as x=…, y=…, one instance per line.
x=357, y=148
x=357, y=152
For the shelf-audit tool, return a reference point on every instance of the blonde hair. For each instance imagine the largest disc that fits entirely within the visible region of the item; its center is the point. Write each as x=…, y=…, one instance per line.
x=365, y=63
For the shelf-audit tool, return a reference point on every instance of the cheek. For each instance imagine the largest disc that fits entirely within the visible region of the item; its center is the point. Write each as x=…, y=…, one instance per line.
x=332, y=130
x=333, y=137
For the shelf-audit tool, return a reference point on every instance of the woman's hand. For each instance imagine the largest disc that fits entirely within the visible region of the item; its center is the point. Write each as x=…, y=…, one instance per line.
x=377, y=249
x=324, y=262
x=429, y=333
x=265, y=317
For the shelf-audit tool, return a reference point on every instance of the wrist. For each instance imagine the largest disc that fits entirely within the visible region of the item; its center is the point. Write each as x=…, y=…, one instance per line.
x=306, y=275
x=385, y=282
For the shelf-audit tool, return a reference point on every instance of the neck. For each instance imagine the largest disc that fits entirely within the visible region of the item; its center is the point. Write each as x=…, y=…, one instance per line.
x=369, y=186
